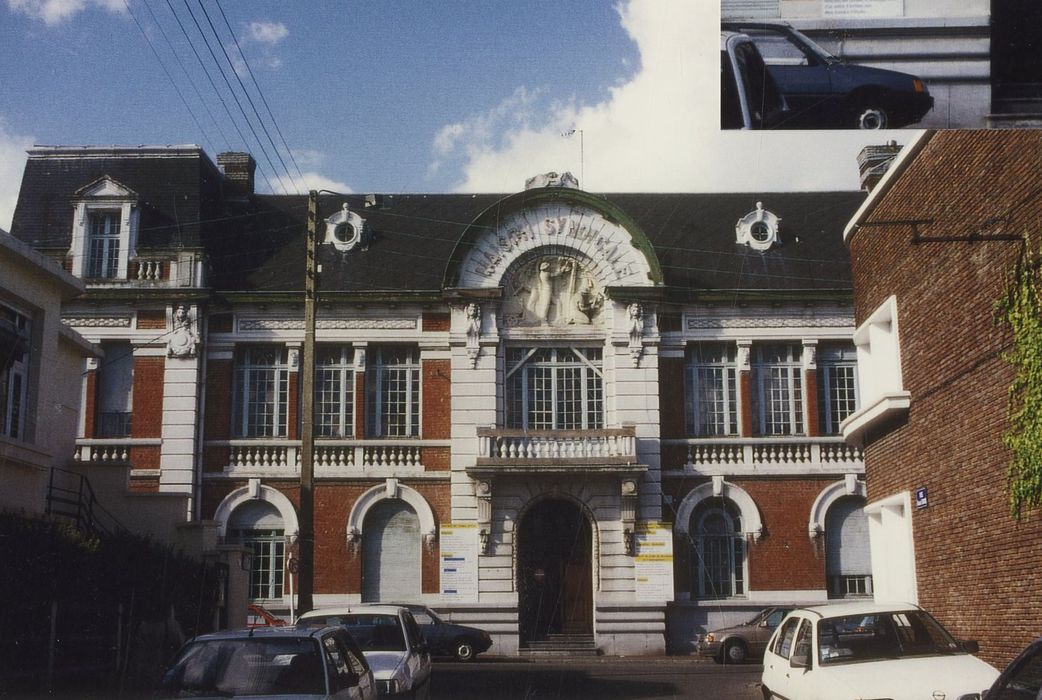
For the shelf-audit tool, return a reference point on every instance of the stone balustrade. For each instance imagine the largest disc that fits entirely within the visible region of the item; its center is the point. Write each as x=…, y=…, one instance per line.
x=608, y=445
x=331, y=457
x=773, y=454
x=111, y=450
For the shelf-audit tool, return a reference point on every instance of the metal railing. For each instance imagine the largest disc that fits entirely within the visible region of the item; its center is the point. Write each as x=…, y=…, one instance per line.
x=71, y=496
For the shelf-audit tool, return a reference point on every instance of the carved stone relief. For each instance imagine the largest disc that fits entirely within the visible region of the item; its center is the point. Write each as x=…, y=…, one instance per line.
x=184, y=341
x=554, y=291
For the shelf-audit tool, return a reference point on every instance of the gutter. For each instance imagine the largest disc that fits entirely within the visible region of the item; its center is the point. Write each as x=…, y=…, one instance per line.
x=900, y=164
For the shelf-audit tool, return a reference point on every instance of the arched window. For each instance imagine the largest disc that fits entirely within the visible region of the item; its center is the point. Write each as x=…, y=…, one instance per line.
x=258, y=525
x=718, y=550
x=848, y=561
x=391, y=552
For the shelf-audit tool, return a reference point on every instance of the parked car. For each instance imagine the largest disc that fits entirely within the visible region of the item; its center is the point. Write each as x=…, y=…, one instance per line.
x=749, y=99
x=391, y=641
x=443, y=638
x=870, y=650
x=823, y=91
x=735, y=644
x=259, y=616
x=1022, y=679
x=322, y=662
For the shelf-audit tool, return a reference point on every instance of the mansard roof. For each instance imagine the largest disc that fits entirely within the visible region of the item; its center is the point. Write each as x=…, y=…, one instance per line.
x=176, y=188
x=411, y=239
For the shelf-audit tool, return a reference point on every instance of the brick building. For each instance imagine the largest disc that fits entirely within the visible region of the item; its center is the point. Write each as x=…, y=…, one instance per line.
x=932, y=252
x=610, y=417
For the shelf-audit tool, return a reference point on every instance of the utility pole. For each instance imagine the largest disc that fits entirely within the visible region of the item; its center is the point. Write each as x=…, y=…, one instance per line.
x=306, y=541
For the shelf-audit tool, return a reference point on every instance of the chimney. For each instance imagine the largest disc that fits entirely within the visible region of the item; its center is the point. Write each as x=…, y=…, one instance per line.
x=238, y=170
x=873, y=162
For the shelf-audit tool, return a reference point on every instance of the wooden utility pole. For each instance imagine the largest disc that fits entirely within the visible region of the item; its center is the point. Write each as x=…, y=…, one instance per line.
x=306, y=542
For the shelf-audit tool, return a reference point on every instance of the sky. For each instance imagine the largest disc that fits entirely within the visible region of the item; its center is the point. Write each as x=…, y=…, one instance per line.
x=401, y=96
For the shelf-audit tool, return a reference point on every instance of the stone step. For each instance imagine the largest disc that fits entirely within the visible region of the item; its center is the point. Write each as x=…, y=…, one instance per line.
x=561, y=645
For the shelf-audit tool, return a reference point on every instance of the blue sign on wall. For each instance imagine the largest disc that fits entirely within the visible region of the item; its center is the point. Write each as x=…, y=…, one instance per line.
x=920, y=497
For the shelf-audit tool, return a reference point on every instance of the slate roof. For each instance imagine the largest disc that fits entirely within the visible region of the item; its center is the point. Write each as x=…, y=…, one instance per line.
x=258, y=244
x=413, y=236
x=178, y=186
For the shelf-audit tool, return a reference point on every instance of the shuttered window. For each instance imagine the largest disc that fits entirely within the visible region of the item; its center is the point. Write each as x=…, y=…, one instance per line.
x=391, y=553
x=848, y=562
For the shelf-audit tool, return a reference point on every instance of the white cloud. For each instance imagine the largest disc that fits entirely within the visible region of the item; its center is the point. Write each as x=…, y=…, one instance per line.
x=266, y=32
x=12, y=164
x=316, y=181
x=656, y=131
x=53, y=12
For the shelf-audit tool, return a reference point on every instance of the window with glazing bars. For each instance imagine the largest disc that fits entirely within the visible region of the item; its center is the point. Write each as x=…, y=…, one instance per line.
x=261, y=391
x=837, y=386
x=554, y=389
x=712, y=389
x=334, y=392
x=15, y=339
x=103, y=244
x=778, y=377
x=269, y=550
x=718, y=561
x=393, y=388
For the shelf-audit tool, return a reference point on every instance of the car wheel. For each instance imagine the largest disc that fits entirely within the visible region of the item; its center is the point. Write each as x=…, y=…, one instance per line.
x=735, y=653
x=463, y=650
x=870, y=115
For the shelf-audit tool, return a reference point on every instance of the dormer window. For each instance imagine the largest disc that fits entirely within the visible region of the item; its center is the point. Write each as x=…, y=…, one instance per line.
x=104, y=230
x=758, y=229
x=344, y=229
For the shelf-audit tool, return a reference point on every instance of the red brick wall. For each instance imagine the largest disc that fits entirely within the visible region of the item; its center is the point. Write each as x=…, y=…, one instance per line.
x=90, y=403
x=148, y=397
x=976, y=567
x=810, y=382
x=437, y=399
x=745, y=391
x=218, y=412
x=293, y=407
x=435, y=322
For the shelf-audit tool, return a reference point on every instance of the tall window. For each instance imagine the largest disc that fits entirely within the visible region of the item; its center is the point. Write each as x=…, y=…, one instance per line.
x=261, y=391
x=334, y=392
x=711, y=375
x=393, y=392
x=258, y=526
x=555, y=388
x=837, y=386
x=848, y=561
x=115, y=390
x=778, y=377
x=718, y=556
x=15, y=338
x=103, y=243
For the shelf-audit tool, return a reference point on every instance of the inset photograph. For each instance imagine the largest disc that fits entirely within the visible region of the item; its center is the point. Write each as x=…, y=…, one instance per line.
x=880, y=64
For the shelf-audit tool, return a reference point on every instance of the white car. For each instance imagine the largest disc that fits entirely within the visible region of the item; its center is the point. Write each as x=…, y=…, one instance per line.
x=391, y=641
x=851, y=651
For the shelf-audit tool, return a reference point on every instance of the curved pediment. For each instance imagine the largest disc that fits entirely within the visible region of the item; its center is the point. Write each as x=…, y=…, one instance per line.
x=553, y=225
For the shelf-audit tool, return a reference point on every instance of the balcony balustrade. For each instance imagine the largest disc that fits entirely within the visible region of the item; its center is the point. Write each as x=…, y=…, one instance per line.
x=507, y=449
x=331, y=457
x=773, y=455
x=116, y=450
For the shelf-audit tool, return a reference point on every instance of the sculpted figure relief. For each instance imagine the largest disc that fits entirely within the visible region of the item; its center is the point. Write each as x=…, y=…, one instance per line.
x=552, y=291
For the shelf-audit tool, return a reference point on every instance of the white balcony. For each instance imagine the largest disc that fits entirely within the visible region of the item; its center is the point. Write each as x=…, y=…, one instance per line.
x=503, y=450
x=773, y=456
x=331, y=458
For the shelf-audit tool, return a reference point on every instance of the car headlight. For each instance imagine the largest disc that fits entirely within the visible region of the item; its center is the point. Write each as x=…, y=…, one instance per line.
x=388, y=687
x=709, y=638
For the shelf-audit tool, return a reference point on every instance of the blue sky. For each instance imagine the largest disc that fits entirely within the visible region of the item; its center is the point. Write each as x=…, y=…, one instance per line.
x=403, y=96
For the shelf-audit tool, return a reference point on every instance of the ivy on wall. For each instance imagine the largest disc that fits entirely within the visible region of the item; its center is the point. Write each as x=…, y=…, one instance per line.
x=1021, y=310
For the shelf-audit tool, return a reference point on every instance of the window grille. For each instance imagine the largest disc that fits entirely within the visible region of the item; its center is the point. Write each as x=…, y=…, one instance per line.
x=103, y=244
x=778, y=376
x=335, y=392
x=555, y=389
x=261, y=392
x=712, y=390
x=393, y=379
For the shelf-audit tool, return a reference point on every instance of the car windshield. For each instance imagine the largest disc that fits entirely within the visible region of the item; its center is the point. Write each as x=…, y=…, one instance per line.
x=759, y=617
x=888, y=635
x=248, y=666
x=372, y=632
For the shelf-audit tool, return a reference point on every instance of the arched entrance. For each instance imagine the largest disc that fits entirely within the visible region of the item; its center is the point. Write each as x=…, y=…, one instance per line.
x=391, y=552
x=554, y=571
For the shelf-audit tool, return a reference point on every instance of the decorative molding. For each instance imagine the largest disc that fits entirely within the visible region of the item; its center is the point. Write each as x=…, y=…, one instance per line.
x=759, y=229
x=473, y=312
x=830, y=321
x=184, y=341
x=365, y=324
x=635, y=313
x=344, y=229
x=97, y=322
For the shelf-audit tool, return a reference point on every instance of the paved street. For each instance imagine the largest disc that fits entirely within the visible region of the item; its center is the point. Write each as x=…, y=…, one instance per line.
x=628, y=678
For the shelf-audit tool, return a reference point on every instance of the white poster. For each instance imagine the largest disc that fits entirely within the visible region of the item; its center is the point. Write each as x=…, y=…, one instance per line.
x=862, y=8
x=459, y=561
x=653, y=549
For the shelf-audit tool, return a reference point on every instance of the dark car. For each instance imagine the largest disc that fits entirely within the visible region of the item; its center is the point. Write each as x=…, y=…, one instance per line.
x=293, y=662
x=461, y=642
x=749, y=98
x=1022, y=679
x=823, y=91
x=740, y=642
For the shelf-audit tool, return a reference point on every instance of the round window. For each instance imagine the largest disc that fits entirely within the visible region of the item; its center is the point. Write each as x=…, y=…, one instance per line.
x=760, y=231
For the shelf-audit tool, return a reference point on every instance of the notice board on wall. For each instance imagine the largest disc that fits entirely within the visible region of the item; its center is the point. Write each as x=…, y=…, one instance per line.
x=459, y=561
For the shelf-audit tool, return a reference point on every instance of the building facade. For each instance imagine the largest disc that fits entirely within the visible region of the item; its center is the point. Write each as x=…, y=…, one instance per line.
x=976, y=56
x=935, y=248
x=609, y=419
